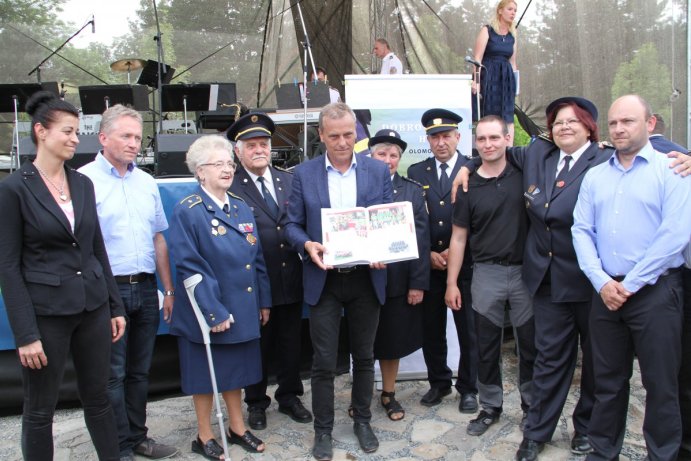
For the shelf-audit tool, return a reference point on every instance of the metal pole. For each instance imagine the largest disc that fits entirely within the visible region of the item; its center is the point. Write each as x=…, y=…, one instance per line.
x=305, y=66
x=688, y=75
x=190, y=284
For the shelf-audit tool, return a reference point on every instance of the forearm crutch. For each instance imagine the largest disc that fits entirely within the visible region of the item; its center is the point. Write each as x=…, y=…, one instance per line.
x=190, y=284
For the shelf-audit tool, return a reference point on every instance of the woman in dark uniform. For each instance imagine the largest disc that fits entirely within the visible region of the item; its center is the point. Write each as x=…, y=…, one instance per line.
x=400, y=322
x=553, y=169
x=213, y=233
x=59, y=291
x=495, y=48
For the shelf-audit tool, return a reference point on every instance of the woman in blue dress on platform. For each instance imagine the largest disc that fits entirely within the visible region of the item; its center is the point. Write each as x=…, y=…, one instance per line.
x=213, y=233
x=495, y=48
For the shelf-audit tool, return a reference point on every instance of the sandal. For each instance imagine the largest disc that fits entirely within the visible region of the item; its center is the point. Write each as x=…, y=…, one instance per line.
x=247, y=441
x=392, y=407
x=209, y=450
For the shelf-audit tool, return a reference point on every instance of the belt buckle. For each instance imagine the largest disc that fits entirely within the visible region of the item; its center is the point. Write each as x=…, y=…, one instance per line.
x=134, y=279
x=345, y=270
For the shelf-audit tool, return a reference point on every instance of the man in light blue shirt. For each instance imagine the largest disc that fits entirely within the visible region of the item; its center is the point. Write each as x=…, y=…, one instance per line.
x=631, y=223
x=132, y=221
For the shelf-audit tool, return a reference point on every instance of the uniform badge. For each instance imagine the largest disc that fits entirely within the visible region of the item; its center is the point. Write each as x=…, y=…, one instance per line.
x=222, y=230
x=214, y=222
x=251, y=238
x=254, y=119
x=214, y=232
x=531, y=188
x=246, y=227
x=560, y=184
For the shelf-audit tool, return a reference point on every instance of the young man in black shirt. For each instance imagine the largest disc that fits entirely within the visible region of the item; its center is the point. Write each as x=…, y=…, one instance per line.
x=491, y=215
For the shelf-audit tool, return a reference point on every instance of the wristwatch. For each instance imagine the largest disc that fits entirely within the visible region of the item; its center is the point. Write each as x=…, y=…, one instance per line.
x=169, y=293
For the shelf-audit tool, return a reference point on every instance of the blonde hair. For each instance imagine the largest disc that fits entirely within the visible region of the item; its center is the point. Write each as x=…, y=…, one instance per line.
x=495, y=19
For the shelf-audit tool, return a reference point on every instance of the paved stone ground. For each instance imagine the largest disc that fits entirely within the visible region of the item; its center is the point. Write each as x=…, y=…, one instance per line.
x=436, y=433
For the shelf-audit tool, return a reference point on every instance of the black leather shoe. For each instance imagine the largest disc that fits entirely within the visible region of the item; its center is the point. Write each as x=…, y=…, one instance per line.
x=468, y=403
x=257, y=418
x=580, y=444
x=484, y=420
x=323, y=447
x=529, y=450
x=434, y=395
x=365, y=435
x=297, y=412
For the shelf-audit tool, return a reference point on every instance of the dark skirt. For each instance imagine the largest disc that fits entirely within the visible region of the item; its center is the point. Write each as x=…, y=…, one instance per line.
x=236, y=366
x=400, y=329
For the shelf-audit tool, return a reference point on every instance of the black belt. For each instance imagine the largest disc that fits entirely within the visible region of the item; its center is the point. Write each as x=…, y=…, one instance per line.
x=504, y=262
x=133, y=279
x=620, y=278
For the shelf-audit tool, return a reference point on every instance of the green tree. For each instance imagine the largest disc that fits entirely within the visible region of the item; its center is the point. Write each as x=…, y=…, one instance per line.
x=646, y=76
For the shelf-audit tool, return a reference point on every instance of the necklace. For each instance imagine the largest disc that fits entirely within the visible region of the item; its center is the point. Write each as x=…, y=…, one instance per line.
x=61, y=189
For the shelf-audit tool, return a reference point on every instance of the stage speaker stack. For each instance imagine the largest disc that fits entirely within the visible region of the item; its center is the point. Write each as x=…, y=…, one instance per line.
x=86, y=150
x=170, y=159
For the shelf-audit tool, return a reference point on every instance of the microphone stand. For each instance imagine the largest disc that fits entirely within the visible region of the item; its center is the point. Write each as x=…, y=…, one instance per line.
x=305, y=66
x=159, y=90
x=37, y=69
x=478, y=69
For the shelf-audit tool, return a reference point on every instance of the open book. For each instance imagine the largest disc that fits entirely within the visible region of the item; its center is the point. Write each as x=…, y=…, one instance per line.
x=380, y=233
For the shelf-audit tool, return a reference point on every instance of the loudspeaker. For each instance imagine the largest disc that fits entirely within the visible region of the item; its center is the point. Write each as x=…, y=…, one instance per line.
x=86, y=151
x=171, y=148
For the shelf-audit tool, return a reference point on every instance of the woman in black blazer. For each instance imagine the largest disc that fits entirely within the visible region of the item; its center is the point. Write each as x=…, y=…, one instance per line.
x=56, y=282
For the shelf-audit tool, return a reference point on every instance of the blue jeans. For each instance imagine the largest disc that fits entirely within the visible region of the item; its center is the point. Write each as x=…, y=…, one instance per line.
x=130, y=361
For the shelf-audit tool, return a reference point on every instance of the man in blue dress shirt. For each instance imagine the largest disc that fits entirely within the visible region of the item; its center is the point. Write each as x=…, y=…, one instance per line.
x=631, y=223
x=132, y=221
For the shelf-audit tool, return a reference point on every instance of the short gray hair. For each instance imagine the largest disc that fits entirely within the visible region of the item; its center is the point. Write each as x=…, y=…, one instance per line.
x=384, y=145
x=113, y=113
x=335, y=111
x=198, y=153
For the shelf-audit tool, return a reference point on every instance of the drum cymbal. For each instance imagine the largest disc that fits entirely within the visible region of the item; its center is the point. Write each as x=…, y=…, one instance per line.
x=126, y=65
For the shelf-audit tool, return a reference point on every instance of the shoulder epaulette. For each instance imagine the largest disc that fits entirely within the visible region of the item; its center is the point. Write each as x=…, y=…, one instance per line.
x=405, y=178
x=235, y=196
x=545, y=137
x=191, y=200
x=283, y=169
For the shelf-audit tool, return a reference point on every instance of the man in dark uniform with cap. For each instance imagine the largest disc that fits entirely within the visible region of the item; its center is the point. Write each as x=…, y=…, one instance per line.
x=266, y=190
x=400, y=322
x=436, y=175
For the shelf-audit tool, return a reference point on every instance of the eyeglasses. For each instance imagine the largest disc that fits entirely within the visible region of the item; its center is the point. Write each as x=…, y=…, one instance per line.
x=565, y=123
x=218, y=165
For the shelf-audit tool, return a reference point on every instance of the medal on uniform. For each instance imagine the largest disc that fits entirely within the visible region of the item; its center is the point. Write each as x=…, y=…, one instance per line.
x=246, y=227
x=214, y=232
x=251, y=238
x=214, y=222
x=222, y=230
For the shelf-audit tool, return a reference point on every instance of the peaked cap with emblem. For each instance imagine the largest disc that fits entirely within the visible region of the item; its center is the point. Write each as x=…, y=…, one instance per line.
x=251, y=126
x=387, y=136
x=438, y=120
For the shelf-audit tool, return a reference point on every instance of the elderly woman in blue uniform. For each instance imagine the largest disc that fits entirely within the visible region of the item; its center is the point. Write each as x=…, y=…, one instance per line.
x=400, y=321
x=213, y=233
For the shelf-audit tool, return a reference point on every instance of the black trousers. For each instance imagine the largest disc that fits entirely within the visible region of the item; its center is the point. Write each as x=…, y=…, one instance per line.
x=88, y=337
x=649, y=324
x=434, y=347
x=352, y=292
x=280, y=344
x=559, y=327
x=685, y=372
